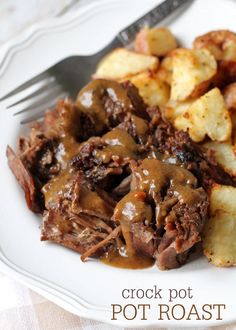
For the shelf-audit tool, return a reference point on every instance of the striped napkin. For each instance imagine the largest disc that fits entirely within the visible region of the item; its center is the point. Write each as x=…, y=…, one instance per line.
x=23, y=309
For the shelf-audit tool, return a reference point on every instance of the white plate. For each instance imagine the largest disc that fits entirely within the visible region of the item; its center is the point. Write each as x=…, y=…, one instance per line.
x=89, y=289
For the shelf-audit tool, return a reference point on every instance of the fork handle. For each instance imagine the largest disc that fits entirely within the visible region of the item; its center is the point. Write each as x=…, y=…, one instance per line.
x=152, y=18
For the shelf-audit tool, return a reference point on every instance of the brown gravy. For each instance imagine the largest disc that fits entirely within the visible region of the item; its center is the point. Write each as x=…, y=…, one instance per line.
x=90, y=99
x=116, y=259
x=153, y=175
x=67, y=149
x=55, y=188
x=132, y=208
x=141, y=127
x=118, y=144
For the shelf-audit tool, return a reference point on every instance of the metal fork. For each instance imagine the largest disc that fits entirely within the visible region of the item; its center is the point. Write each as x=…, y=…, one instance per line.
x=66, y=77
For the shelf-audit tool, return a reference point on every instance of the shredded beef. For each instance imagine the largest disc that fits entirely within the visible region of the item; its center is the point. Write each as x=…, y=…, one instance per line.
x=108, y=172
x=93, y=167
x=33, y=196
x=103, y=162
x=67, y=120
x=33, y=165
x=71, y=220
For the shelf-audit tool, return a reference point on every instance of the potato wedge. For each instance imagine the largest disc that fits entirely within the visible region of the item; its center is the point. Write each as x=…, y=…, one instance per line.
x=207, y=116
x=122, y=63
x=157, y=41
x=192, y=73
x=219, y=243
x=223, y=199
x=221, y=43
x=153, y=90
x=225, y=156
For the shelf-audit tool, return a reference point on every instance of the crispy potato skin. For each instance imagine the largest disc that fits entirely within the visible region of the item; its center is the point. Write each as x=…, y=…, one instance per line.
x=229, y=94
x=228, y=69
x=156, y=41
x=221, y=43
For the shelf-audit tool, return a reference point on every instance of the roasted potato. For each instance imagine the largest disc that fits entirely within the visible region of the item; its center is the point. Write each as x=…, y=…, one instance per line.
x=221, y=43
x=122, y=63
x=193, y=71
x=209, y=116
x=153, y=90
x=157, y=41
x=225, y=156
x=223, y=199
x=219, y=244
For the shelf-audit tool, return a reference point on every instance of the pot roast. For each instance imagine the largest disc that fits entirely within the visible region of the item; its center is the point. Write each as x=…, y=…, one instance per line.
x=111, y=177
